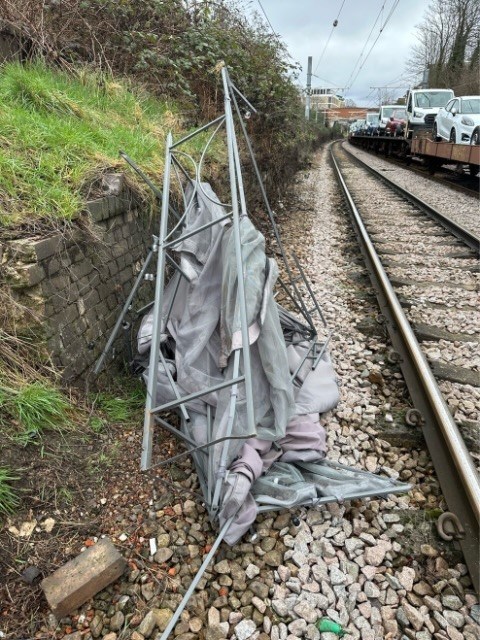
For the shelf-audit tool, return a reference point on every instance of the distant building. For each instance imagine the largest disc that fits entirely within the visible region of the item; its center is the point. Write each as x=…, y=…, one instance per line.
x=325, y=99
x=321, y=100
x=344, y=116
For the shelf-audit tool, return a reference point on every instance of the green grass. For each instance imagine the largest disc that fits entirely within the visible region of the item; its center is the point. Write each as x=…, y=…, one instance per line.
x=58, y=132
x=122, y=409
x=9, y=500
x=34, y=409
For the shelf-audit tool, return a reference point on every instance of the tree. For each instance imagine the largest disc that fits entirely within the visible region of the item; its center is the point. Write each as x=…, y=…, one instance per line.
x=448, y=46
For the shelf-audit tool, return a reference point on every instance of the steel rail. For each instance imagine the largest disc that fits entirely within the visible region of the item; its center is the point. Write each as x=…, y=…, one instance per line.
x=441, y=174
x=454, y=466
x=463, y=234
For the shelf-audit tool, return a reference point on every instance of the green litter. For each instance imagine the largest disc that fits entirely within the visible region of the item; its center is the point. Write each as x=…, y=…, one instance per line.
x=324, y=624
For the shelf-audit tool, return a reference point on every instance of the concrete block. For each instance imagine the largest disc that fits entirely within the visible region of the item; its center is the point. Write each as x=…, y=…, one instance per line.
x=98, y=209
x=74, y=583
x=67, y=334
x=52, y=266
x=83, y=268
x=91, y=298
x=24, y=276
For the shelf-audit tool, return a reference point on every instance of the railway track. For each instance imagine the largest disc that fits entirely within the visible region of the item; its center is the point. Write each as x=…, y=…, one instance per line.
x=424, y=269
x=457, y=177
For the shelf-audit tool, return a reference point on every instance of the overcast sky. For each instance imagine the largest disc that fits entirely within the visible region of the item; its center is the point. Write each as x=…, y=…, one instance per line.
x=305, y=26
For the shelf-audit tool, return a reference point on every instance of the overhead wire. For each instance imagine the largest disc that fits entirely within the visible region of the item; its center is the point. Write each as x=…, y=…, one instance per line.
x=394, y=6
x=347, y=84
x=268, y=20
x=335, y=22
x=324, y=79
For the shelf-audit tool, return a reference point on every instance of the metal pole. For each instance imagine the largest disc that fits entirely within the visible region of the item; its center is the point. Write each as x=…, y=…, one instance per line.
x=196, y=580
x=247, y=371
x=173, y=385
x=173, y=404
x=270, y=214
x=309, y=88
x=125, y=309
x=147, y=180
x=222, y=467
x=197, y=131
x=149, y=420
x=207, y=225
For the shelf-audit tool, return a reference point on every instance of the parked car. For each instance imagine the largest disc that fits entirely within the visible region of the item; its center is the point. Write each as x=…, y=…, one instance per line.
x=396, y=123
x=422, y=108
x=457, y=121
x=475, y=139
x=371, y=127
x=386, y=111
x=357, y=127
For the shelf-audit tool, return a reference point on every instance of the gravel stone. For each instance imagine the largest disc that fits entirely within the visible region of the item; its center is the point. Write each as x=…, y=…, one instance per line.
x=222, y=567
x=163, y=555
x=336, y=576
x=406, y=577
x=96, y=626
x=303, y=610
x=454, y=618
x=245, y=629
x=217, y=631
x=148, y=624
x=280, y=607
x=298, y=628
x=252, y=571
x=375, y=555
x=371, y=590
x=273, y=558
x=260, y=589
x=116, y=621
x=452, y=602
x=475, y=613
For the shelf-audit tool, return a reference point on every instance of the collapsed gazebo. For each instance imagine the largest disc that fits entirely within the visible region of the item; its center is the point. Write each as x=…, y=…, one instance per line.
x=248, y=378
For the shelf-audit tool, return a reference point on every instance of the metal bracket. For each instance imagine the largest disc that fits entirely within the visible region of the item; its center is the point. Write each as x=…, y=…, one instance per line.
x=413, y=418
x=449, y=527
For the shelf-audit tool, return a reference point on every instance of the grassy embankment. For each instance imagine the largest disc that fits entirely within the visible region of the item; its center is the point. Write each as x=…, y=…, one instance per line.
x=58, y=134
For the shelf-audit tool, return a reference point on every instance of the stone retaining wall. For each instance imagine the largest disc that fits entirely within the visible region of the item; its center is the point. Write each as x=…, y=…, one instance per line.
x=74, y=283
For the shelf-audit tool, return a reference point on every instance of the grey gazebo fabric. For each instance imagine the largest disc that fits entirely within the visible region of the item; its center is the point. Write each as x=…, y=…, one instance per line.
x=201, y=330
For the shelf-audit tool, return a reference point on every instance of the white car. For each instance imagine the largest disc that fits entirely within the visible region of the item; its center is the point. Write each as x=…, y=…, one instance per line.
x=357, y=126
x=457, y=121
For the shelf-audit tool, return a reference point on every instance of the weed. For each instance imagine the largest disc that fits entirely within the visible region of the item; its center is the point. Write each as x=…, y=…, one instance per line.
x=65, y=495
x=9, y=500
x=35, y=408
x=96, y=424
x=122, y=409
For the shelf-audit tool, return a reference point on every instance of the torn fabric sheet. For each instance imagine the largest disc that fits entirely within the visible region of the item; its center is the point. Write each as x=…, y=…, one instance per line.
x=201, y=325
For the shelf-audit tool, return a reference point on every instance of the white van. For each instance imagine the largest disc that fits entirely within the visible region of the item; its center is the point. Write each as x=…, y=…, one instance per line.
x=422, y=107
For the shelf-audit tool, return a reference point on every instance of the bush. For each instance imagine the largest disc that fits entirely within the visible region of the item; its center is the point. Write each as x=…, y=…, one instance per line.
x=174, y=50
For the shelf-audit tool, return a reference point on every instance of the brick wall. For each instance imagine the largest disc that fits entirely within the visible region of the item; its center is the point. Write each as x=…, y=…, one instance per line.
x=75, y=283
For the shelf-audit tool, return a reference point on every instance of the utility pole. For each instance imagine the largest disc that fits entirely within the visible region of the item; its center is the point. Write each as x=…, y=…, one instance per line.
x=309, y=88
